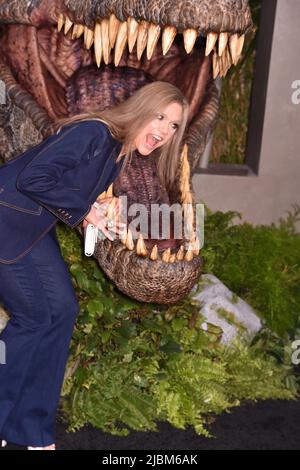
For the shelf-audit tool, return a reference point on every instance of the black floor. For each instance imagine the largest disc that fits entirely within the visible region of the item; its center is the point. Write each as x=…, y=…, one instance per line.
x=263, y=425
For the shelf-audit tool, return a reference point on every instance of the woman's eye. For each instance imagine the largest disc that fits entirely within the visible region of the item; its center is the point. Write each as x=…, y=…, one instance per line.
x=159, y=116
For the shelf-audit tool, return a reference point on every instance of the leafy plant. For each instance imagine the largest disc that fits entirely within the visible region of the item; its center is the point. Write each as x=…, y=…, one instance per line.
x=134, y=364
x=230, y=135
x=260, y=264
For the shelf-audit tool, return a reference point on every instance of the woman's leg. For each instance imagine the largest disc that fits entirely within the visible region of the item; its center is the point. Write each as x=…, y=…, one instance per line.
x=38, y=294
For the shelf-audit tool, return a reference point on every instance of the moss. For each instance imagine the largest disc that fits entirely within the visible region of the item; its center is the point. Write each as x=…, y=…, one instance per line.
x=231, y=320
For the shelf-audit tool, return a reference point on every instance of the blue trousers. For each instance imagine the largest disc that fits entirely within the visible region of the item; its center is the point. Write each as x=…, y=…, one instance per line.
x=38, y=294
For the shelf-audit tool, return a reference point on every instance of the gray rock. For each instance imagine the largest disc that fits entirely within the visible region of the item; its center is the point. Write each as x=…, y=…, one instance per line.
x=225, y=309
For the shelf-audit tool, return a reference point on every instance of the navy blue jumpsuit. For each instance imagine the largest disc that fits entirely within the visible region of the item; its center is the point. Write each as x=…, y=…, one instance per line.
x=58, y=179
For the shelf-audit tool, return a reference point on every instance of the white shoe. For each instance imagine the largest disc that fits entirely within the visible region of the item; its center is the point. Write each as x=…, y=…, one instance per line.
x=51, y=447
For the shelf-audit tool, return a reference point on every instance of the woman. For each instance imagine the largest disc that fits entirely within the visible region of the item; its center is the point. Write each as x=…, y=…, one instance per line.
x=61, y=179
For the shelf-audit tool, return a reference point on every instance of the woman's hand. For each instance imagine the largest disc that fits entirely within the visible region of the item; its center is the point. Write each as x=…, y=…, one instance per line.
x=99, y=218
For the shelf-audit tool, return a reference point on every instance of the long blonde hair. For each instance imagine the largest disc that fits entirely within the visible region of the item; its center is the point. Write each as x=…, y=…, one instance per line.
x=126, y=119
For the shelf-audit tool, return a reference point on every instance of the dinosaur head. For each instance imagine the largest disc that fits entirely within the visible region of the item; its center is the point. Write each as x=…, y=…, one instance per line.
x=59, y=58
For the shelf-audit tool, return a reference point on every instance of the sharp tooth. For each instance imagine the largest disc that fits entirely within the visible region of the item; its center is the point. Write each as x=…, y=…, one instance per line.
x=154, y=253
x=195, y=244
x=189, y=219
x=216, y=65
x=180, y=253
x=98, y=43
x=123, y=235
x=193, y=237
x=110, y=209
x=68, y=25
x=168, y=37
x=105, y=39
x=223, y=39
x=78, y=30
x=109, y=191
x=220, y=64
x=241, y=41
x=226, y=61
x=153, y=37
x=210, y=42
x=102, y=195
x=166, y=255
x=172, y=258
x=141, y=249
x=129, y=240
x=60, y=21
x=233, y=44
x=189, y=38
x=142, y=38
x=88, y=37
x=228, y=58
x=186, y=196
x=120, y=42
x=132, y=32
x=113, y=27
x=189, y=255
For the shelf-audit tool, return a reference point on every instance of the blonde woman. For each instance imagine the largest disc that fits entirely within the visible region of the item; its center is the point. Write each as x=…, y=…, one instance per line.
x=60, y=179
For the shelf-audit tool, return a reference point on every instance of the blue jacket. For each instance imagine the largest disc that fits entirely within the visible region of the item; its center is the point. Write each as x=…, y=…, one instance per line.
x=60, y=178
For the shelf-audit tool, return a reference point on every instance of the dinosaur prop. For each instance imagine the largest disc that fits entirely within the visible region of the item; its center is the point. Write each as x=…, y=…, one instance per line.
x=59, y=58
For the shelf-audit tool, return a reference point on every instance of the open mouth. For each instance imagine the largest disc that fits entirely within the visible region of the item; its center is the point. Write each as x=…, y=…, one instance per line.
x=56, y=64
x=69, y=67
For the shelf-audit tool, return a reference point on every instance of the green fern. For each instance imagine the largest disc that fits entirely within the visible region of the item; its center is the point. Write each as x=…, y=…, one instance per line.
x=134, y=364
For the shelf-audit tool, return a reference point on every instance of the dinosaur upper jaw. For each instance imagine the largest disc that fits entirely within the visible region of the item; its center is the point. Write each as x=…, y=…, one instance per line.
x=185, y=38
x=60, y=62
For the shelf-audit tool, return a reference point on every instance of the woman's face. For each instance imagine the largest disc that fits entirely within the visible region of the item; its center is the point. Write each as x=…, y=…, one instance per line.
x=163, y=126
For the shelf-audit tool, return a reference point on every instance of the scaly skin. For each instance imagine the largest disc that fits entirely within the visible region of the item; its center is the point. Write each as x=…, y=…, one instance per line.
x=49, y=74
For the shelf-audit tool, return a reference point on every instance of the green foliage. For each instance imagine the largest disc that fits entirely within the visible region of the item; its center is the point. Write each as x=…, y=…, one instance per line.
x=260, y=264
x=133, y=364
x=230, y=135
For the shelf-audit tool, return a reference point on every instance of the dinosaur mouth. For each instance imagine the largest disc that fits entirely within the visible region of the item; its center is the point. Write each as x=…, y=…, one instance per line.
x=146, y=52
x=70, y=68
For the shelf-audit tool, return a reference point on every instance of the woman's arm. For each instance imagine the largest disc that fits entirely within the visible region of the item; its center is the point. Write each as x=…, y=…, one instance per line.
x=41, y=179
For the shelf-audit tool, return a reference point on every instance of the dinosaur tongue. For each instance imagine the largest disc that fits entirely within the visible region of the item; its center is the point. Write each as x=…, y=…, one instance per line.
x=91, y=87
